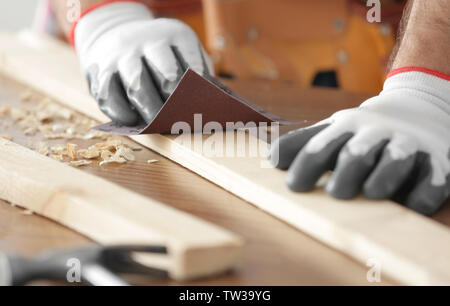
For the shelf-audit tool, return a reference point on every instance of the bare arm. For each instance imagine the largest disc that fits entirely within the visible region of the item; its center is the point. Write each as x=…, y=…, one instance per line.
x=425, y=36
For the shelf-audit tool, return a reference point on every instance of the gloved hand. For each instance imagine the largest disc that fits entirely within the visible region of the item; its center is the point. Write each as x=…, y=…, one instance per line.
x=394, y=146
x=132, y=61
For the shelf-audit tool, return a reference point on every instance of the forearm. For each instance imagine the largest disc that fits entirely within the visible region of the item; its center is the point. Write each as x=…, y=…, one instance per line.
x=425, y=37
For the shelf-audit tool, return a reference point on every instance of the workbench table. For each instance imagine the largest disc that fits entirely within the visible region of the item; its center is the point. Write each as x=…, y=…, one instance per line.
x=275, y=253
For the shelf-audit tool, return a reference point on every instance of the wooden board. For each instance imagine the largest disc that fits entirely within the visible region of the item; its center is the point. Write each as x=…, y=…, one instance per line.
x=275, y=253
x=110, y=214
x=410, y=248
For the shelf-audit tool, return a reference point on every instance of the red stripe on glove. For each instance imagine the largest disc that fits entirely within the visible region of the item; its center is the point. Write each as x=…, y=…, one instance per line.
x=438, y=74
x=87, y=11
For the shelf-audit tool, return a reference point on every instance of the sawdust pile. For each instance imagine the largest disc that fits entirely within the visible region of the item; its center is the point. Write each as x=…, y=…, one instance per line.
x=54, y=121
x=111, y=151
x=4, y=110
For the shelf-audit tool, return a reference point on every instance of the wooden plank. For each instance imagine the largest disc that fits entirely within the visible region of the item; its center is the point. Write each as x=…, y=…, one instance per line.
x=270, y=257
x=110, y=214
x=410, y=248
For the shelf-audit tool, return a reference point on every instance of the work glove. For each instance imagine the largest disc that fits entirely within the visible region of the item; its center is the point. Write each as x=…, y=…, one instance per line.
x=132, y=61
x=394, y=146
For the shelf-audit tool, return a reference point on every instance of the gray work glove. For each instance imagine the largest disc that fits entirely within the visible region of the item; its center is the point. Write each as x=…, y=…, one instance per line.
x=132, y=61
x=394, y=146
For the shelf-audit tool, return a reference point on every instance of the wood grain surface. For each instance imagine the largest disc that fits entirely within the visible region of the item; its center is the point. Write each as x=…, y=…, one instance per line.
x=407, y=245
x=311, y=106
x=275, y=253
x=112, y=215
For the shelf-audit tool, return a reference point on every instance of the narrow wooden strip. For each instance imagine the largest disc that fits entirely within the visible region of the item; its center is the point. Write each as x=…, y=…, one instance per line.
x=410, y=248
x=110, y=214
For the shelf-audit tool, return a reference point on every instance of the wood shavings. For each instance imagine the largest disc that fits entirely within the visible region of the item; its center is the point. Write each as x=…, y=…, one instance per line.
x=44, y=129
x=42, y=148
x=54, y=121
x=48, y=110
x=90, y=153
x=80, y=163
x=44, y=102
x=96, y=150
x=30, y=131
x=114, y=151
x=113, y=159
x=57, y=157
x=105, y=154
x=4, y=110
x=26, y=96
x=134, y=148
x=58, y=128
x=83, y=153
x=71, y=131
x=59, y=150
x=110, y=144
x=29, y=121
x=110, y=151
x=72, y=151
x=18, y=113
x=152, y=161
x=45, y=117
x=7, y=137
x=125, y=152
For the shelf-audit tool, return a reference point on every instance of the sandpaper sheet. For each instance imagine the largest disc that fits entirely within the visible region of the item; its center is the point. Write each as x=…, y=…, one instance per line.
x=198, y=95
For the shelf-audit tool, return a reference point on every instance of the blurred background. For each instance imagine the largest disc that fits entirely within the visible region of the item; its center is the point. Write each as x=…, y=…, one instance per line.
x=17, y=14
x=333, y=45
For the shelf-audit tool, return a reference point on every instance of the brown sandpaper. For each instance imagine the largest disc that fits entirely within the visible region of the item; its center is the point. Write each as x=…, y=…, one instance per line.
x=198, y=95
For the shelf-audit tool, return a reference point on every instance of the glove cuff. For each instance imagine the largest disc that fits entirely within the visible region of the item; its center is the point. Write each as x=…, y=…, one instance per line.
x=104, y=16
x=422, y=81
x=438, y=74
